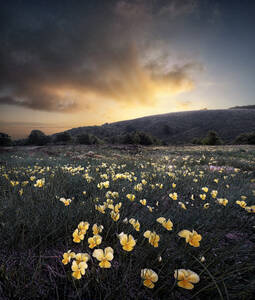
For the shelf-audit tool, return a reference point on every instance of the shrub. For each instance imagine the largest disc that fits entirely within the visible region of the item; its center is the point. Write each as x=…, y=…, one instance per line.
x=88, y=139
x=142, y=138
x=37, y=137
x=245, y=138
x=63, y=137
x=5, y=139
x=212, y=138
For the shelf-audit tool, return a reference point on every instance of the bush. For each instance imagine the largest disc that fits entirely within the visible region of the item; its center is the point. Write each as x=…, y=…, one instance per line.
x=5, y=139
x=88, y=139
x=245, y=139
x=212, y=138
x=63, y=137
x=37, y=137
x=142, y=138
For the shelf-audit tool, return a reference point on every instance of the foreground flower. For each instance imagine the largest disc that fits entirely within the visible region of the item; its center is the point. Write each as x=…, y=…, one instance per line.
x=135, y=224
x=206, y=205
x=202, y=196
x=222, y=201
x=193, y=238
x=182, y=205
x=104, y=256
x=127, y=241
x=97, y=229
x=67, y=257
x=40, y=182
x=143, y=201
x=186, y=278
x=83, y=227
x=250, y=209
x=78, y=269
x=241, y=203
x=94, y=241
x=173, y=196
x=214, y=193
x=165, y=223
x=149, y=277
x=65, y=201
x=77, y=236
x=115, y=216
x=153, y=238
x=205, y=189
x=131, y=197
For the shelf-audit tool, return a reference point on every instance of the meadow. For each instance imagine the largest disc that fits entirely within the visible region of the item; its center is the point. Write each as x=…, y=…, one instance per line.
x=97, y=222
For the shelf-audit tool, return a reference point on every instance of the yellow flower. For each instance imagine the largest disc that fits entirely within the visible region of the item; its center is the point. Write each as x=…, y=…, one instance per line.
x=79, y=257
x=83, y=227
x=165, y=223
x=77, y=236
x=243, y=197
x=174, y=196
x=143, y=202
x=40, y=182
x=21, y=192
x=216, y=180
x=100, y=208
x=94, y=241
x=150, y=208
x=183, y=206
x=149, y=277
x=104, y=256
x=250, y=209
x=144, y=182
x=173, y=185
x=65, y=201
x=115, y=215
x=135, y=224
x=32, y=178
x=97, y=229
x=214, y=193
x=206, y=205
x=193, y=238
x=205, y=189
x=186, y=278
x=127, y=241
x=192, y=197
x=241, y=203
x=202, y=196
x=131, y=197
x=67, y=257
x=222, y=201
x=153, y=238
x=78, y=269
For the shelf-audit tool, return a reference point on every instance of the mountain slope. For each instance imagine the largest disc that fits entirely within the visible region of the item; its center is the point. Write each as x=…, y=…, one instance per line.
x=181, y=127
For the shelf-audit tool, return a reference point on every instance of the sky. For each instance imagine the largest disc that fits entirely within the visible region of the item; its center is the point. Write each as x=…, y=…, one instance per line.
x=66, y=64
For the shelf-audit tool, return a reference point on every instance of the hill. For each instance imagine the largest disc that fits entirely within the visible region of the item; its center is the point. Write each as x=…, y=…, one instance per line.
x=180, y=127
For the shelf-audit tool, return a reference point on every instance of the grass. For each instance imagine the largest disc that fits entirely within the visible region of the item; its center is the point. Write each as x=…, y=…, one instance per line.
x=36, y=227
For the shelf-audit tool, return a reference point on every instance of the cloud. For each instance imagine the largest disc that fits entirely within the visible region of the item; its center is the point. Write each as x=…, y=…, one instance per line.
x=75, y=56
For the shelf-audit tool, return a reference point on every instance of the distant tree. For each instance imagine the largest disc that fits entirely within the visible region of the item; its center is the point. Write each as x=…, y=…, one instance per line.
x=197, y=141
x=63, y=137
x=212, y=138
x=140, y=137
x=5, y=139
x=245, y=139
x=132, y=138
x=88, y=139
x=37, y=137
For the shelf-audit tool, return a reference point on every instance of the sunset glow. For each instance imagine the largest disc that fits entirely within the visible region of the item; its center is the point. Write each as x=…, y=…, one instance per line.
x=71, y=64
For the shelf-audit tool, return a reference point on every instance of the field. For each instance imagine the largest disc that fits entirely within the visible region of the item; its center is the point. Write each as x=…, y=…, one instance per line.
x=188, y=213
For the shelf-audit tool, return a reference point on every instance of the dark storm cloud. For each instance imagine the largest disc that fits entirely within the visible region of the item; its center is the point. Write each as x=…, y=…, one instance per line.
x=60, y=55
